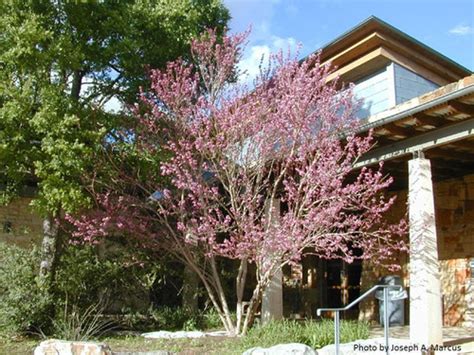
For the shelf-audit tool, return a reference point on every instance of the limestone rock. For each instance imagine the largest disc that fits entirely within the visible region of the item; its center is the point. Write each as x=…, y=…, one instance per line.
x=282, y=349
x=62, y=347
x=163, y=334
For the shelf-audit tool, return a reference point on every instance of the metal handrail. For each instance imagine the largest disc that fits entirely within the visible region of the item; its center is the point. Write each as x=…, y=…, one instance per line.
x=386, y=324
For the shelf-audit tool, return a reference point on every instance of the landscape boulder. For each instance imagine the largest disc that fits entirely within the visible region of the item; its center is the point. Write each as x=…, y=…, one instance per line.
x=163, y=334
x=63, y=347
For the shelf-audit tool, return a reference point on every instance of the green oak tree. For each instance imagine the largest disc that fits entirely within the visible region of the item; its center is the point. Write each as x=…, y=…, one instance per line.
x=63, y=66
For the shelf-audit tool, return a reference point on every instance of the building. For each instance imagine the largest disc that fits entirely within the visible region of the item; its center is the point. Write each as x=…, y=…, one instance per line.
x=420, y=106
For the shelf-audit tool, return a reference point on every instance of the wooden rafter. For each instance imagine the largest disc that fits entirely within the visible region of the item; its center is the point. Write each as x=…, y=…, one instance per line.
x=424, y=141
x=399, y=131
x=466, y=144
x=449, y=155
x=462, y=107
x=425, y=120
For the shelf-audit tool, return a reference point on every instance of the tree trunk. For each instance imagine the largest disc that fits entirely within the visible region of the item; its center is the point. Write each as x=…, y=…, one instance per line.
x=240, y=287
x=252, y=309
x=190, y=289
x=76, y=84
x=49, y=251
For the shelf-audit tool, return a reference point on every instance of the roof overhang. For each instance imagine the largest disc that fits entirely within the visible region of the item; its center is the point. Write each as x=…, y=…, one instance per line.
x=374, y=43
x=439, y=123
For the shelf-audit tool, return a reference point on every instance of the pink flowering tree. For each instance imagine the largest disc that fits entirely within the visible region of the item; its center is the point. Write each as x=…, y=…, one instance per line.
x=208, y=162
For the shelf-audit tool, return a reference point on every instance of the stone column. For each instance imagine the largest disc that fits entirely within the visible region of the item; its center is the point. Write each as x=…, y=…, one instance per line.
x=425, y=285
x=272, y=298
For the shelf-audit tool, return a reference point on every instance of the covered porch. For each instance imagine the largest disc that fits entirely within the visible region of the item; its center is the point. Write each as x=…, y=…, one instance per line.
x=427, y=145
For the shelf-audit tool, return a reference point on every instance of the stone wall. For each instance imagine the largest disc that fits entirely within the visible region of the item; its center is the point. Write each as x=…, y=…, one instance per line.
x=19, y=224
x=455, y=226
x=454, y=201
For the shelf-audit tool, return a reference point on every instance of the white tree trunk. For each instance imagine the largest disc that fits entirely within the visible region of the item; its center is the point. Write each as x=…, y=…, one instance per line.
x=49, y=250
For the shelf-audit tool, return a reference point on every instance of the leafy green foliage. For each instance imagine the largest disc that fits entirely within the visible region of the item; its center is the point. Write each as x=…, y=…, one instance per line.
x=122, y=277
x=171, y=318
x=60, y=64
x=23, y=304
x=83, y=278
x=312, y=333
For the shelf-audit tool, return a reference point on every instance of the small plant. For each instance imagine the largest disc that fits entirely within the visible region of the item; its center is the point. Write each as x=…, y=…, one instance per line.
x=209, y=319
x=80, y=325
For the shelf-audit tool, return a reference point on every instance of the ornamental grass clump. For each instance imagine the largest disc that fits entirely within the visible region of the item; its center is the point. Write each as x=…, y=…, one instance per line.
x=75, y=324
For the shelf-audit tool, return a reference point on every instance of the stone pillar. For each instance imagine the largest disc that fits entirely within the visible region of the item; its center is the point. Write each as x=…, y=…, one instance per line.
x=272, y=298
x=425, y=285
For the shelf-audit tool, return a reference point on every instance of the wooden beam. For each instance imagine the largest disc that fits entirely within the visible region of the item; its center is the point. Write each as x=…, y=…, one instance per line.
x=462, y=107
x=383, y=140
x=356, y=50
x=352, y=66
x=466, y=144
x=424, y=141
x=414, y=67
x=421, y=59
x=425, y=120
x=450, y=165
x=397, y=130
x=449, y=155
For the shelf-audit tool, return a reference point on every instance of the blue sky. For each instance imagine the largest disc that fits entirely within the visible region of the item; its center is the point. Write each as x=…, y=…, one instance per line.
x=444, y=25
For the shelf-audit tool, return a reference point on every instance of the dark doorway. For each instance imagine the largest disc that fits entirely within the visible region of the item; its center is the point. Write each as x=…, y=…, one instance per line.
x=343, y=285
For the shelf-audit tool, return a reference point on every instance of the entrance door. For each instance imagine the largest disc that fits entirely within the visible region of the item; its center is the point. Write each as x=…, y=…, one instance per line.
x=343, y=284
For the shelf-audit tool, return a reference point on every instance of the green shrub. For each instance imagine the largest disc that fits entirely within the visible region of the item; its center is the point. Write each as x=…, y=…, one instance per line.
x=162, y=318
x=82, y=278
x=171, y=318
x=24, y=306
x=315, y=334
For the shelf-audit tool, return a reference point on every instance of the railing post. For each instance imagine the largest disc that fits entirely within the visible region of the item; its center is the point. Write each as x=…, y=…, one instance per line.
x=356, y=301
x=336, y=331
x=386, y=320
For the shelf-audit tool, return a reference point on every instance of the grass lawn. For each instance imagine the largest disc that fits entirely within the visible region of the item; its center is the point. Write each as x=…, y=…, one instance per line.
x=316, y=334
x=208, y=345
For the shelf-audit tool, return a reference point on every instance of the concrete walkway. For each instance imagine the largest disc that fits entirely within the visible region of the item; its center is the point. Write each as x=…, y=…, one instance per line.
x=450, y=334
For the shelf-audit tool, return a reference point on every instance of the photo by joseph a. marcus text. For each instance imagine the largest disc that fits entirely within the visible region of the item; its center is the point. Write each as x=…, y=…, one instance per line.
x=404, y=348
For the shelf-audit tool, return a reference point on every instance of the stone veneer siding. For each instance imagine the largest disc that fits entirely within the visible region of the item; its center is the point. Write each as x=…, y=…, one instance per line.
x=454, y=202
x=19, y=224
